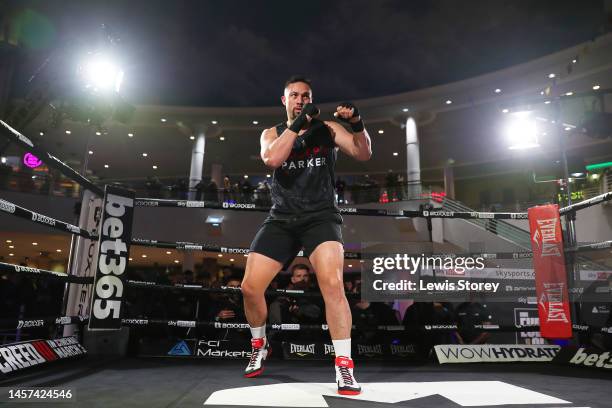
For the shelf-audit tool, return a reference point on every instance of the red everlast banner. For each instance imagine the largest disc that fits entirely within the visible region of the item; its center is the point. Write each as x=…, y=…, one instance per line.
x=550, y=273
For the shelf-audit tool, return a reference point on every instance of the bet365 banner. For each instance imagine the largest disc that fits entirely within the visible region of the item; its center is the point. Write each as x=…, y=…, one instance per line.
x=113, y=254
x=550, y=273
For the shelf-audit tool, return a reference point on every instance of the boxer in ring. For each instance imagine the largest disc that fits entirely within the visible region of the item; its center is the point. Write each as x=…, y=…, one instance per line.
x=302, y=151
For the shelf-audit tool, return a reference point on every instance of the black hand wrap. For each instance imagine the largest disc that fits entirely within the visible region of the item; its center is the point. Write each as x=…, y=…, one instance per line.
x=308, y=109
x=357, y=126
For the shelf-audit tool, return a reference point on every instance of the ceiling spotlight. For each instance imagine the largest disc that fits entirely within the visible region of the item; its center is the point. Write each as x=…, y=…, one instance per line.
x=163, y=120
x=8, y=241
x=130, y=135
x=395, y=153
x=521, y=131
x=448, y=101
x=255, y=122
x=143, y=255
x=222, y=138
x=106, y=166
x=11, y=246
x=232, y=260
x=3, y=160
x=505, y=110
x=176, y=261
x=58, y=250
x=497, y=90
x=154, y=167
x=11, y=254
x=268, y=176
x=380, y=131
x=144, y=155
x=100, y=73
x=131, y=259
x=569, y=93
x=168, y=252
x=98, y=133
x=34, y=243
x=350, y=266
x=220, y=255
x=41, y=133
x=246, y=176
x=546, y=102
x=68, y=132
x=541, y=92
x=192, y=137
x=90, y=152
x=574, y=61
x=405, y=110
x=551, y=76
x=214, y=122
x=568, y=128
x=596, y=87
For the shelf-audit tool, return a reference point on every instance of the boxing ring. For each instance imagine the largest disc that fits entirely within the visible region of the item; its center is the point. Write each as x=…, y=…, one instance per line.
x=397, y=375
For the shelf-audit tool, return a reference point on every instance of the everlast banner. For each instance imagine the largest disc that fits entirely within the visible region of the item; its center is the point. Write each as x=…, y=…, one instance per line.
x=550, y=274
x=304, y=351
x=113, y=251
x=84, y=260
x=18, y=356
x=368, y=351
x=585, y=357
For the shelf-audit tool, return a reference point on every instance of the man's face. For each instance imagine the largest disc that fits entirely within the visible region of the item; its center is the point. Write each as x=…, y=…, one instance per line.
x=233, y=283
x=300, y=275
x=296, y=96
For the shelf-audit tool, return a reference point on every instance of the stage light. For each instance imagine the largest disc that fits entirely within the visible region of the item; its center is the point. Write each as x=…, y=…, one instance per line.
x=101, y=74
x=520, y=131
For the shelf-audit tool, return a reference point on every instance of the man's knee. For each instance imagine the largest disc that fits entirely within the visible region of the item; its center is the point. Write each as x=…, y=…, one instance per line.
x=331, y=287
x=250, y=291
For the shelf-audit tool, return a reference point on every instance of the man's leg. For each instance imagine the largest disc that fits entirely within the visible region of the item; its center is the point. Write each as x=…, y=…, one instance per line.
x=260, y=270
x=328, y=262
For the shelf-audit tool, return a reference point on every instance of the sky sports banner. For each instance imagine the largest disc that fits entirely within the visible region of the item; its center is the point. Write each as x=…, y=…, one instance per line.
x=495, y=353
x=19, y=356
x=550, y=272
x=113, y=254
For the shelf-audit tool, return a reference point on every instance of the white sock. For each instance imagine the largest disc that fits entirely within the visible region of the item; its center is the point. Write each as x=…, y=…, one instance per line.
x=342, y=347
x=258, y=332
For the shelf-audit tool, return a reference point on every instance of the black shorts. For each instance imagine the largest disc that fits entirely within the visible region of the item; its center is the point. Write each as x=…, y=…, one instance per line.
x=282, y=237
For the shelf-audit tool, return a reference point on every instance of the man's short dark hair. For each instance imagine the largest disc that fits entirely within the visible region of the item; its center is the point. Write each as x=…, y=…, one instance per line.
x=300, y=266
x=298, y=78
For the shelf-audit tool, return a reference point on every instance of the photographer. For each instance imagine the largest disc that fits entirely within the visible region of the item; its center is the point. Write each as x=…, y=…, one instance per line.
x=303, y=310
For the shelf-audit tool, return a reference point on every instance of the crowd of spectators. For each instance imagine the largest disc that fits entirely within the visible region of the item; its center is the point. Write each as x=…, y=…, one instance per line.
x=27, y=297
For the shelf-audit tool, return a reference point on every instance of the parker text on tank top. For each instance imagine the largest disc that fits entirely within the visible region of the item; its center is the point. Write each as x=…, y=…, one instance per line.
x=305, y=181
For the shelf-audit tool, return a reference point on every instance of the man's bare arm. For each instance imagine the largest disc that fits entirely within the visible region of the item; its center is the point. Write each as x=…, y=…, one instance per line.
x=357, y=145
x=275, y=150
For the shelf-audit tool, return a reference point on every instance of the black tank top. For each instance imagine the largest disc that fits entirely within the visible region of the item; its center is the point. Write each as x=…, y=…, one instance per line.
x=305, y=181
